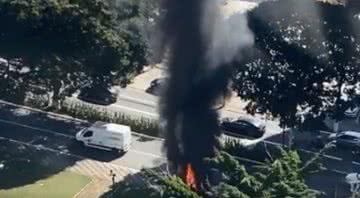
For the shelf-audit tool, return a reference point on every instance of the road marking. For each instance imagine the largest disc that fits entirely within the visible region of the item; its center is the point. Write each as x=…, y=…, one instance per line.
x=306, y=151
x=62, y=152
x=36, y=128
x=62, y=116
x=67, y=136
x=148, y=113
x=136, y=110
x=149, y=154
x=144, y=153
x=249, y=160
x=132, y=150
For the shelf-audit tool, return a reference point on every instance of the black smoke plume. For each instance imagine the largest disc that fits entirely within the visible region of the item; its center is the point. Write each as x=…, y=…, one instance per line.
x=195, y=84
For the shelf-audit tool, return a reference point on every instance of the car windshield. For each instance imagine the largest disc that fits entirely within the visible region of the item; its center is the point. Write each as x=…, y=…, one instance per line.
x=347, y=137
x=249, y=122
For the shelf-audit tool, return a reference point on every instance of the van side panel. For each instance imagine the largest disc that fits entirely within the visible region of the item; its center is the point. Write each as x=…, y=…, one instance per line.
x=116, y=140
x=109, y=139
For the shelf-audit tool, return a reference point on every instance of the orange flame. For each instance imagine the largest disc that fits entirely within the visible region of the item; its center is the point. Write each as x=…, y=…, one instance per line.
x=189, y=176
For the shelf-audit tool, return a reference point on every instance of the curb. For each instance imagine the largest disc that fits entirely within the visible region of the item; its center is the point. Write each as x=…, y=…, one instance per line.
x=147, y=136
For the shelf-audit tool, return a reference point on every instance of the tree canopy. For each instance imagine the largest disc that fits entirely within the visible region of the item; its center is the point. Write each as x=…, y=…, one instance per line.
x=64, y=44
x=304, y=59
x=280, y=178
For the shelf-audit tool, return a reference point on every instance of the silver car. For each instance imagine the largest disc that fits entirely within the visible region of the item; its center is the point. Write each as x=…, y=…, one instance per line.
x=346, y=139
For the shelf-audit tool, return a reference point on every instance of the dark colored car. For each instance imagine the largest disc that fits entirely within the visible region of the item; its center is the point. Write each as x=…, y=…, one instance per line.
x=156, y=86
x=321, y=138
x=245, y=127
x=102, y=96
x=346, y=140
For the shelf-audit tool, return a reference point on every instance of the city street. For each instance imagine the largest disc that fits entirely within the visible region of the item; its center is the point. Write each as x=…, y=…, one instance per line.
x=260, y=99
x=55, y=134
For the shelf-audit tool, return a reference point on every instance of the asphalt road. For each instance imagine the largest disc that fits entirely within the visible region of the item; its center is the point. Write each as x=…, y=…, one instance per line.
x=56, y=133
x=137, y=103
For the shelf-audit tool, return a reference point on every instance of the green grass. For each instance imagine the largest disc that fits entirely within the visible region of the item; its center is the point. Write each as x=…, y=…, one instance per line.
x=62, y=185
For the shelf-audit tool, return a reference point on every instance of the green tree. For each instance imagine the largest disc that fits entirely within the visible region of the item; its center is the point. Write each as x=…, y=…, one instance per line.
x=234, y=173
x=228, y=191
x=304, y=59
x=65, y=44
x=281, y=178
x=169, y=186
x=284, y=178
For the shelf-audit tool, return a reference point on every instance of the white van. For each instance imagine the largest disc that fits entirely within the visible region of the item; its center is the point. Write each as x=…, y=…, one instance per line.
x=106, y=136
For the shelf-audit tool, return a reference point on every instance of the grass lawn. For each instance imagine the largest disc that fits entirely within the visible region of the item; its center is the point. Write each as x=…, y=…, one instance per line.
x=62, y=185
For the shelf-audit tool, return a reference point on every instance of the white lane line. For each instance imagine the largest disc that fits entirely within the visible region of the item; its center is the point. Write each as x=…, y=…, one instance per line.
x=148, y=154
x=67, y=136
x=306, y=151
x=136, y=110
x=249, y=160
x=48, y=113
x=135, y=151
x=36, y=128
x=144, y=153
x=61, y=152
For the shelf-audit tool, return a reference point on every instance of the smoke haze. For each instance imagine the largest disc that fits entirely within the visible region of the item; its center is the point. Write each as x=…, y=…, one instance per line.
x=200, y=45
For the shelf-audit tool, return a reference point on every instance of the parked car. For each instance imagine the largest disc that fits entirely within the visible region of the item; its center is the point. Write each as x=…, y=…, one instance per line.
x=352, y=112
x=346, y=139
x=352, y=178
x=244, y=127
x=319, y=138
x=156, y=86
x=106, y=136
x=102, y=96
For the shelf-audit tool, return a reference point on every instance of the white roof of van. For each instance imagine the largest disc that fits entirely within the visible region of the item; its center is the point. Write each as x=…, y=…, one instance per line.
x=115, y=128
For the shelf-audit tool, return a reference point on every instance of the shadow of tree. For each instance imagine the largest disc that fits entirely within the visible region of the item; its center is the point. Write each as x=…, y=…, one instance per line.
x=144, y=138
x=22, y=165
x=132, y=186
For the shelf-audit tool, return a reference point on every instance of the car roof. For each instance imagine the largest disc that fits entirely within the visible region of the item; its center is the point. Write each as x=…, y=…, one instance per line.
x=253, y=121
x=160, y=80
x=351, y=133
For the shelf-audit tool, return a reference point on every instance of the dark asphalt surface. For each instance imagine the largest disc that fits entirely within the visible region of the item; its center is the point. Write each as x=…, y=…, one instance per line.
x=57, y=133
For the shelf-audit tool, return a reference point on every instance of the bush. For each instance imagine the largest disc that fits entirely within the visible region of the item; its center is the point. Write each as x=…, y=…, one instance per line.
x=259, y=152
x=92, y=114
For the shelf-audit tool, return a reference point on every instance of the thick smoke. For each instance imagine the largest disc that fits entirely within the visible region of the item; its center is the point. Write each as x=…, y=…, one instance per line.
x=197, y=80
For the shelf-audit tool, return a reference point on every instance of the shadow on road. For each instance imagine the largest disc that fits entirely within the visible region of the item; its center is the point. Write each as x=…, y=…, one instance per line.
x=133, y=186
x=22, y=165
x=35, y=145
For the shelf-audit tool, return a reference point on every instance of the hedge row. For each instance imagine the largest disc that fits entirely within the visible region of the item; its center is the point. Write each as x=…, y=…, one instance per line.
x=91, y=113
x=95, y=113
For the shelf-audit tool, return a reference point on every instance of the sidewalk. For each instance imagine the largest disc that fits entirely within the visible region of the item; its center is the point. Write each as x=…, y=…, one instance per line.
x=99, y=172
x=142, y=81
